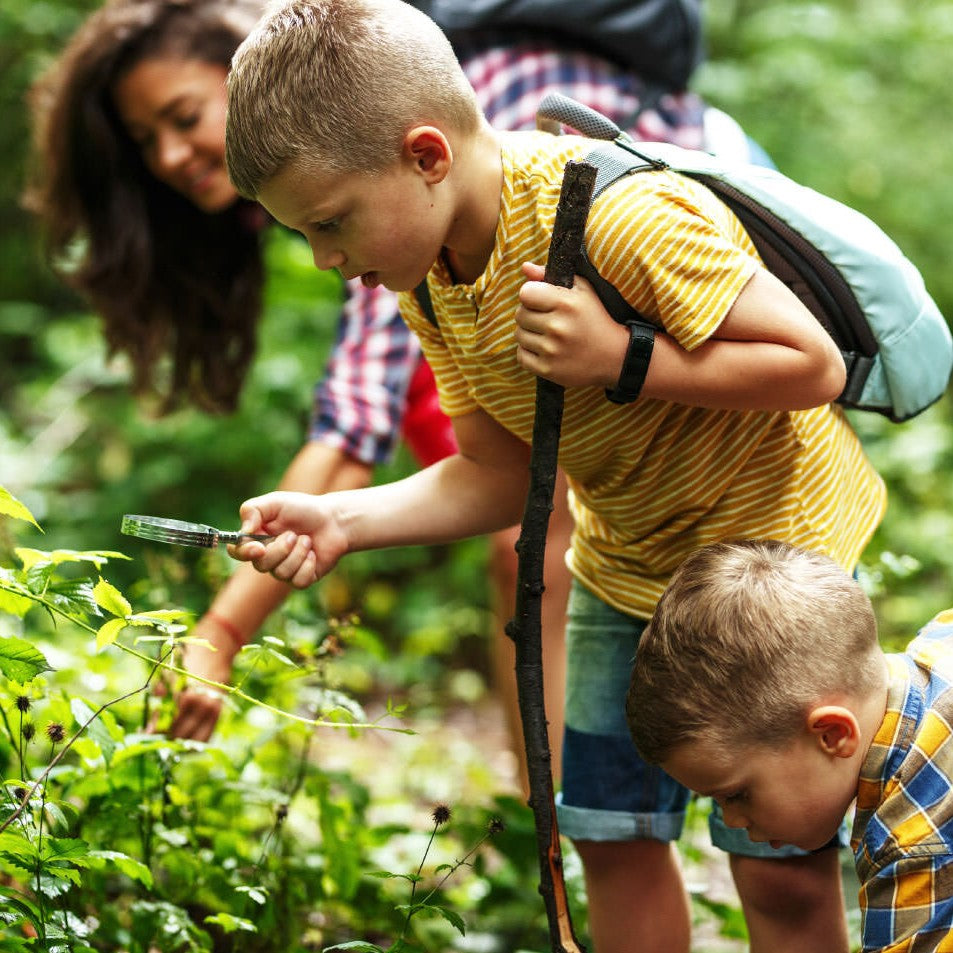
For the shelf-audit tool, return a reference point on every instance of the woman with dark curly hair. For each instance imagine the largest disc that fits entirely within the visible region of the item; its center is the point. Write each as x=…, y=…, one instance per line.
x=139, y=215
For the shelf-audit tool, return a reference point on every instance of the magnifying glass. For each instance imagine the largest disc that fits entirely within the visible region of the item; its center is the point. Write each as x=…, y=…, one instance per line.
x=182, y=533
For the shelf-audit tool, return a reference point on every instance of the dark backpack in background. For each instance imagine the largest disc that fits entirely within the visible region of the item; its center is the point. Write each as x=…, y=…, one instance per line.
x=658, y=40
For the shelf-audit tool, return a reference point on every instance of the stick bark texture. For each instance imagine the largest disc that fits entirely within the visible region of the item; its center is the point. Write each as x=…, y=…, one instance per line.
x=526, y=626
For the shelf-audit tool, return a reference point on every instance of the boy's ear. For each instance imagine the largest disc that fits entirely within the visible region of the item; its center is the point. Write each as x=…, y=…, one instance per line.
x=429, y=150
x=835, y=729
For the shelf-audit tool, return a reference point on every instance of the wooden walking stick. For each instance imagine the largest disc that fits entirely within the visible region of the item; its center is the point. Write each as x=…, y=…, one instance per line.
x=526, y=626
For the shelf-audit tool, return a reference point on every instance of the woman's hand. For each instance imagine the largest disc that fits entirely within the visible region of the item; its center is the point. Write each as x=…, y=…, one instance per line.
x=198, y=705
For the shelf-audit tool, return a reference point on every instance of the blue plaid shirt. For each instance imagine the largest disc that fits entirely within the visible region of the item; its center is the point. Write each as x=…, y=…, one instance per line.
x=903, y=828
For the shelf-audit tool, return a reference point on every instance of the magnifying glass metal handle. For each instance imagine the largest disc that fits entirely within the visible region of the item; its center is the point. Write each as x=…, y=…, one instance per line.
x=230, y=539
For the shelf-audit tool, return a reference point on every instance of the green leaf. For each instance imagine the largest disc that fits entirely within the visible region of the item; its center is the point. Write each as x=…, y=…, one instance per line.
x=72, y=849
x=108, y=633
x=87, y=749
x=449, y=915
x=97, y=729
x=56, y=815
x=230, y=924
x=74, y=597
x=453, y=918
x=164, y=615
x=62, y=872
x=390, y=875
x=108, y=597
x=39, y=574
x=14, y=596
x=258, y=894
x=11, y=506
x=23, y=905
x=127, y=865
x=20, y=661
x=13, y=845
x=32, y=557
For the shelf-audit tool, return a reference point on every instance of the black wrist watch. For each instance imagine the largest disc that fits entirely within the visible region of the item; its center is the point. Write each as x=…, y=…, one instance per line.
x=636, y=364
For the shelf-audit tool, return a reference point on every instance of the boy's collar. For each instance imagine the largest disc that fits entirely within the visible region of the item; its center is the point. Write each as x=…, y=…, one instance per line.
x=881, y=723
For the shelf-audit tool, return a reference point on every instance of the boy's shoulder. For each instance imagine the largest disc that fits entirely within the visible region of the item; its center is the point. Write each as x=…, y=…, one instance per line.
x=540, y=155
x=932, y=650
x=534, y=164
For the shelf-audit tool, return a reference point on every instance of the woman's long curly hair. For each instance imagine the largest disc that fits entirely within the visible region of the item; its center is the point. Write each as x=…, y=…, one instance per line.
x=179, y=290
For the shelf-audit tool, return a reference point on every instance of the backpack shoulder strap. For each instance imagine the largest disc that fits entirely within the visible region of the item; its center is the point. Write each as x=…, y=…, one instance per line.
x=612, y=163
x=422, y=295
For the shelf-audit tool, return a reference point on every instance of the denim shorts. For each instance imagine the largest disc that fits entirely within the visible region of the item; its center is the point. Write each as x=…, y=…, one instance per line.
x=608, y=792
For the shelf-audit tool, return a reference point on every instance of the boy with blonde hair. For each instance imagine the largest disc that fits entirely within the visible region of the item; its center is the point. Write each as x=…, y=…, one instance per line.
x=760, y=682
x=350, y=121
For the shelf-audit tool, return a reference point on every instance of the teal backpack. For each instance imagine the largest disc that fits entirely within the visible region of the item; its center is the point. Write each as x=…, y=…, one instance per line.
x=850, y=275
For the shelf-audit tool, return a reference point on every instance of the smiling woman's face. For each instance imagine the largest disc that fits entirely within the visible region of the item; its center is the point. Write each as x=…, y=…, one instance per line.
x=174, y=111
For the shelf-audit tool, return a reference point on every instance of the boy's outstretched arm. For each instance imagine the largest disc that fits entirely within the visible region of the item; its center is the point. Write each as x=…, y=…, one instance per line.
x=479, y=490
x=768, y=353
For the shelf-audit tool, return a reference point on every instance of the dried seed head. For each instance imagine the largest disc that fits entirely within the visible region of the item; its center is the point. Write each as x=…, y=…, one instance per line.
x=23, y=703
x=29, y=730
x=441, y=814
x=496, y=825
x=55, y=732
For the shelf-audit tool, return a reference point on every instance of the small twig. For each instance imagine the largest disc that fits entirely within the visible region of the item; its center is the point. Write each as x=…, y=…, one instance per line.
x=439, y=817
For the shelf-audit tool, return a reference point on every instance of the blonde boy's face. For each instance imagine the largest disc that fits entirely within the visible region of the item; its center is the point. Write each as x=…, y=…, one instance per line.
x=385, y=228
x=795, y=795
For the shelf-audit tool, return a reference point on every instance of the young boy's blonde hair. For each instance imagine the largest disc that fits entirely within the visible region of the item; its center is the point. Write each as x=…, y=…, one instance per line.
x=334, y=85
x=748, y=636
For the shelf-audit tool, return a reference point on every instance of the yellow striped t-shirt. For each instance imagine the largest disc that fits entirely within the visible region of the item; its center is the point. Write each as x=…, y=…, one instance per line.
x=651, y=480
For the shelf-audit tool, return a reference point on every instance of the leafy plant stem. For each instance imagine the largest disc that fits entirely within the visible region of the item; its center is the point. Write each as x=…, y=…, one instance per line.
x=416, y=879
x=220, y=687
x=457, y=864
x=72, y=740
x=20, y=752
x=8, y=729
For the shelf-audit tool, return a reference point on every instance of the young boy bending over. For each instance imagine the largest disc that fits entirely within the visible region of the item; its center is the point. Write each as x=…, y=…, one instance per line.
x=760, y=682
x=351, y=121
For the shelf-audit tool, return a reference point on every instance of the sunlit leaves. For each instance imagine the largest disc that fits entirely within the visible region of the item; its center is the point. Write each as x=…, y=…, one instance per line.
x=36, y=557
x=108, y=597
x=231, y=923
x=21, y=661
x=11, y=506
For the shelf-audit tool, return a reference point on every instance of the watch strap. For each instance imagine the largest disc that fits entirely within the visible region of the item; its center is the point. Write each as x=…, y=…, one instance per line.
x=636, y=363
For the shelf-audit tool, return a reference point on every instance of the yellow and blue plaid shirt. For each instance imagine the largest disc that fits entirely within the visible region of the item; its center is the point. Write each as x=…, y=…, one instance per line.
x=903, y=829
